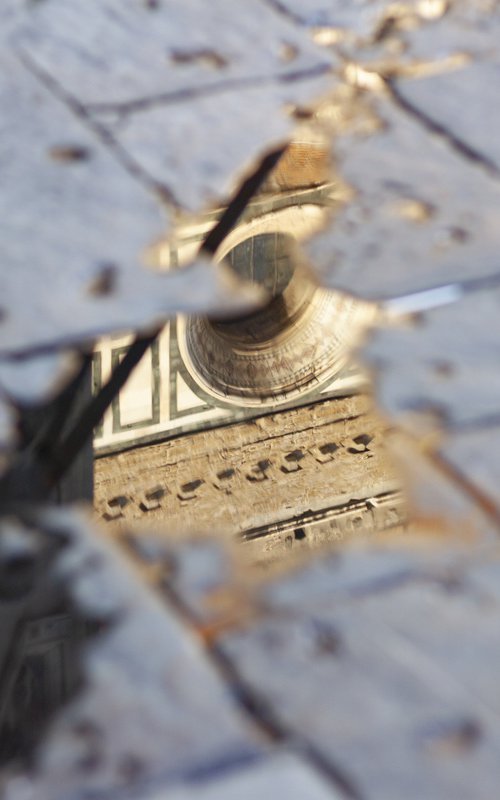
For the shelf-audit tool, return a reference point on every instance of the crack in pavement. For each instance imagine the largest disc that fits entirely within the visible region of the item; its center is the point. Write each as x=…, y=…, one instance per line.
x=221, y=87
x=461, y=147
x=462, y=483
x=257, y=708
x=102, y=134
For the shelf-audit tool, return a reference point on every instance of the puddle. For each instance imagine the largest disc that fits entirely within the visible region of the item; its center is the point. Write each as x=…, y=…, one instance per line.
x=260, y=427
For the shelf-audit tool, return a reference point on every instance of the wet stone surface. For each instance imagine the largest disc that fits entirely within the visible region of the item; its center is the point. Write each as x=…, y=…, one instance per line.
x=159, y=672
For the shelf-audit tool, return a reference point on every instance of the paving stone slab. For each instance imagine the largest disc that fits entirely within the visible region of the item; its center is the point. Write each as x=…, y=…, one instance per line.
x=461, y=644
x=438, y=501
x=420, y=215
x=205, y=84
x=475, y=456
x=465, y=104
x=369, y=681
x=441, y=365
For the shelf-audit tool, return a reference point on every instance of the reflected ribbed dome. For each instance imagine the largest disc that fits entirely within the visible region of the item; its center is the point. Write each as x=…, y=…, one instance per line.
x=299, y=339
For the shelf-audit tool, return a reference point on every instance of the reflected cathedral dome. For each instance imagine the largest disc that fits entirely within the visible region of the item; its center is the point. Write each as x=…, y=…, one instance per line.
x=298, y=340
x=302, y=337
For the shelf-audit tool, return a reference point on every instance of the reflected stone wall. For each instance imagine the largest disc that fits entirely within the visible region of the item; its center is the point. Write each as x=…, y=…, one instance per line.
x=295, y=479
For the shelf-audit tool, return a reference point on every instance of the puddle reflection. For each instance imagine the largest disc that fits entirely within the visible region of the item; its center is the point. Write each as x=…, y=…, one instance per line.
x=305, y=465
x=41, y=641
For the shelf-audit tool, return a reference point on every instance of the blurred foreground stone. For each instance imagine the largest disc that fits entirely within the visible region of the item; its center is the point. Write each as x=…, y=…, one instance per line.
x=171, y=668
x=369, y=673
